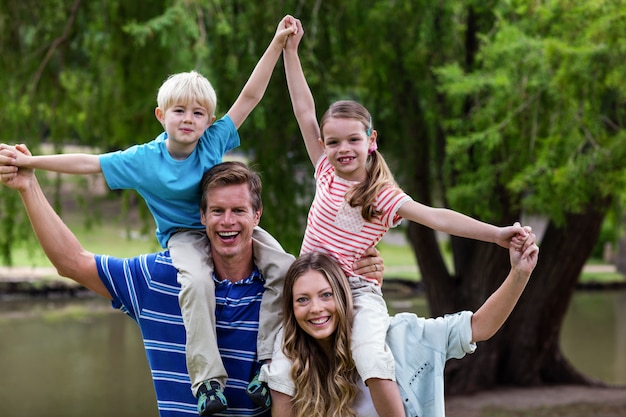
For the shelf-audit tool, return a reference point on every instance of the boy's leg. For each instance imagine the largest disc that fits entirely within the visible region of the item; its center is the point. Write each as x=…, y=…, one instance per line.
x=273, y=263
x=278, y=374
x=190, y=255
x=372, y=357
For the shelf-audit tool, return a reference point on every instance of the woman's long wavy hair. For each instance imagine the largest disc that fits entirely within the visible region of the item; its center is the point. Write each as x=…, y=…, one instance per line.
x=325, y=386
x=378, y=173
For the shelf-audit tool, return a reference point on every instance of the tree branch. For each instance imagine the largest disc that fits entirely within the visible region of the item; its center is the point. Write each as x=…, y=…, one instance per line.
x=55, y=44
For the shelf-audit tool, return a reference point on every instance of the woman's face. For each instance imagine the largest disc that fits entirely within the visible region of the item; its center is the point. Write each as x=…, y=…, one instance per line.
x=314, y=305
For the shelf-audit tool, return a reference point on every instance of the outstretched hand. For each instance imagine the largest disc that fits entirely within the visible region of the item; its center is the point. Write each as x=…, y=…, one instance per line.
x=525, y=258
x=294, y=40
x=286, y=27
x=513, y=236
x=10, y=175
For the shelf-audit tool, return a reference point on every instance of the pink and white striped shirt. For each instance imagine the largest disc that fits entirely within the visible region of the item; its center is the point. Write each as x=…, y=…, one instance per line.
x=335, y=228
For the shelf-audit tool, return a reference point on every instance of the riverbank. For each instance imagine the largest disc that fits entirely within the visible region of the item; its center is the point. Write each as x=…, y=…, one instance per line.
x=42, y=281
x=548, y=401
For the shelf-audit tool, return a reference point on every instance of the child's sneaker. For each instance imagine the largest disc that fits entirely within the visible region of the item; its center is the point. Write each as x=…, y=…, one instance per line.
x=211, y=398
x=259, y=392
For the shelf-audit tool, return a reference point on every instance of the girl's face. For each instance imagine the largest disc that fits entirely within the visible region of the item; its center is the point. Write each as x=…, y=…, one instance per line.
x=346, y=144
x=314, y=305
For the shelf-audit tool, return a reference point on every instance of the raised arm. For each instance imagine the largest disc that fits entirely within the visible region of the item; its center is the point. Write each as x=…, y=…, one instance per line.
x=494, y=312
x=301, y=97
x=458, y=224
x=71, y=163
x=253, y=91
x=58, y=242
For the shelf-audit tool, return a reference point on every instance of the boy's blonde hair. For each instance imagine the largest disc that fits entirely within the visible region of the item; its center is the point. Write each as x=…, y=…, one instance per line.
x=187, y=87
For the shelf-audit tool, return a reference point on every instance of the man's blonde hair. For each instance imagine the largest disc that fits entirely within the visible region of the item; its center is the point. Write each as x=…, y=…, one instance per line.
x=187, y=87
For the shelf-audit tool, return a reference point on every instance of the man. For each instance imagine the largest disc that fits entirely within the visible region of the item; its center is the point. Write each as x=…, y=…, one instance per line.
x=145, y=287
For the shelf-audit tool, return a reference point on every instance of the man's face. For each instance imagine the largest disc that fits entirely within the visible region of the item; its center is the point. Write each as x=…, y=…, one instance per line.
x=229, y=220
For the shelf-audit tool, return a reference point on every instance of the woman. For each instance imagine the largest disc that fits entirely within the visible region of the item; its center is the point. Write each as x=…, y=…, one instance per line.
x=316, y=342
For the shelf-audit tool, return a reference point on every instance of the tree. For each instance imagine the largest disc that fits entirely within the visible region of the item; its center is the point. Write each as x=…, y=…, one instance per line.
x=518, y=112
x=497, y=109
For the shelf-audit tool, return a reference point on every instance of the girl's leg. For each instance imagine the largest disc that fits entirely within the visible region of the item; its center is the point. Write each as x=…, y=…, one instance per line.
x=371, y=355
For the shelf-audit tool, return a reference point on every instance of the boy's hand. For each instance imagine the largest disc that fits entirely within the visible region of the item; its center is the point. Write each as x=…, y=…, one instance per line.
x=286, y=27
x=15, y=155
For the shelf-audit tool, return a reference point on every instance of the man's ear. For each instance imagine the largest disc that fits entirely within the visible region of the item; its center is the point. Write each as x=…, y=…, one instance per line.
x=257, y=217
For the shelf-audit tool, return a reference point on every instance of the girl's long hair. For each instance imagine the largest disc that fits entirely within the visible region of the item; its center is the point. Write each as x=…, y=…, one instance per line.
x=325, y=386
x=378, y=174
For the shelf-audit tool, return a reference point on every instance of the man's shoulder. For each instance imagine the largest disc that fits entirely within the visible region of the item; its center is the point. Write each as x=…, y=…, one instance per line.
x=148, y=263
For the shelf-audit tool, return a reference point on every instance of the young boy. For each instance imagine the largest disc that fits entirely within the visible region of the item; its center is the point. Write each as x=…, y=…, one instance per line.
x=166, y=172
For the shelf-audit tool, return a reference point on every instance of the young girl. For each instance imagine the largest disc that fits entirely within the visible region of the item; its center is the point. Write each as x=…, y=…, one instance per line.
x=356, y=202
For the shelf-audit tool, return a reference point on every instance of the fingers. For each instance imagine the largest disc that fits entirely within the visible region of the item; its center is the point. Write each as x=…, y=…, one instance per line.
x=22, y=148
x=372, y=251
x=530, y=251
x=7, y=159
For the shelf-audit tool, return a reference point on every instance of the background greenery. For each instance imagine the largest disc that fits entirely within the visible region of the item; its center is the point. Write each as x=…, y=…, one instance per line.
x=500, y=109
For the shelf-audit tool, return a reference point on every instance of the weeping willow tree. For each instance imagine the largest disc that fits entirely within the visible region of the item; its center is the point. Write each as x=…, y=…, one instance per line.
x=498, y=109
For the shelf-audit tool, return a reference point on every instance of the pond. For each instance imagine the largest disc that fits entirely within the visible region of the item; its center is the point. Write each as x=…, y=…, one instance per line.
x=79, y=357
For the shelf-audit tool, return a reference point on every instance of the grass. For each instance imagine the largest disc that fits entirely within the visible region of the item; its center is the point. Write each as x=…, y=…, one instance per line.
x=112, y=237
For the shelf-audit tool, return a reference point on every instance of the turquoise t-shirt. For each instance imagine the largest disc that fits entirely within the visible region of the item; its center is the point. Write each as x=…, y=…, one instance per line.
x=170, y=187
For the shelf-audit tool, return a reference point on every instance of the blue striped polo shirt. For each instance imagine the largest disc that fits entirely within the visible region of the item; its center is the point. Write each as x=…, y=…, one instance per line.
x=145, y=288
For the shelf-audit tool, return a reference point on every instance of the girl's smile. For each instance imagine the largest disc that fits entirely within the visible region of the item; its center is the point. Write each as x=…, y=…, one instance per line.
x=346, y=144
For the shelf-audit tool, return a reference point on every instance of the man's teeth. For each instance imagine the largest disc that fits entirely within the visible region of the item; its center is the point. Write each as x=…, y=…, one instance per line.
x=228, y=234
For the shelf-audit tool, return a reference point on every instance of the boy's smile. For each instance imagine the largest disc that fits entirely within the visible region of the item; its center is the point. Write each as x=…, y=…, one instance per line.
x=184, y=124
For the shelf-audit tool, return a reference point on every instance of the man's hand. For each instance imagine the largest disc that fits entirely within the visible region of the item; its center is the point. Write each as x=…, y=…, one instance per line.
x=370, y=265
x=10, y=175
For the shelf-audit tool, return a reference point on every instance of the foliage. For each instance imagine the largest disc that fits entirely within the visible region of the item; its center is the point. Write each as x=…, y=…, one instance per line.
x=496, y=109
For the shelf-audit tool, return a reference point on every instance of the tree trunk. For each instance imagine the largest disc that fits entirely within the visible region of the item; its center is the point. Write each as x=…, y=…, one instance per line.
x=526, y=350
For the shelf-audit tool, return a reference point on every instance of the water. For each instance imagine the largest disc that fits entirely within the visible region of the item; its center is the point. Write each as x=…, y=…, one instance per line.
x=75, y=358
x=72, y=358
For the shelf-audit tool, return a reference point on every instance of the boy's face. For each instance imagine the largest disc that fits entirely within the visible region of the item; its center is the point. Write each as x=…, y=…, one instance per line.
x=184, y=125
